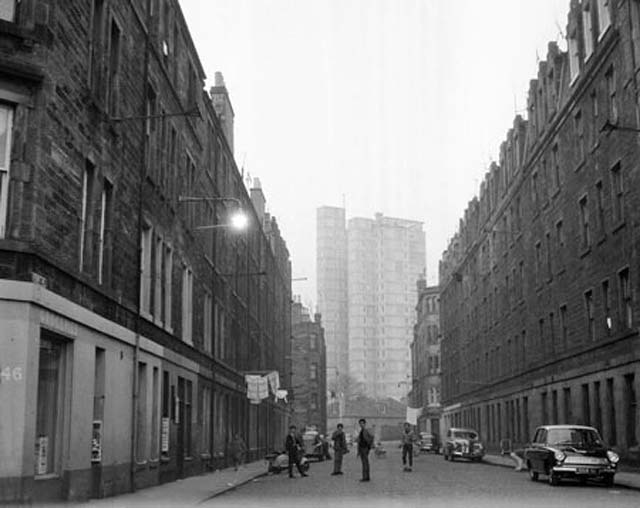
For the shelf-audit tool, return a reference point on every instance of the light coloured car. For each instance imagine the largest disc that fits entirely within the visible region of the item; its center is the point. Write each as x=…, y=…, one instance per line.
x=464, y=444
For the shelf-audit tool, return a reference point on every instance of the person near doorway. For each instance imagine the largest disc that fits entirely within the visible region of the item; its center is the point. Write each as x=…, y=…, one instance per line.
x=339, y=448
x=408, y=438
x=238, y=450
x=365, y=443
x=293, y=446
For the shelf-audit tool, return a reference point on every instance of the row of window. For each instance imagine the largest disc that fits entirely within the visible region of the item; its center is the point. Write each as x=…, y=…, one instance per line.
x=552, y=335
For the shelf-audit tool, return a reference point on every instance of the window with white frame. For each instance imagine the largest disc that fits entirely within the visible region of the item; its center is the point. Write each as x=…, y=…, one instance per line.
x=168, y=286
x=611, y=93
x=617, y=189
x=158, y=273
x=587, y=29
x=105, y=233
x=187, y=304
x=208, y=322
x=604, y=16
x=625, y=307
x=6, y=119
x=86, y=217
x=145, y=269
x=574, y=55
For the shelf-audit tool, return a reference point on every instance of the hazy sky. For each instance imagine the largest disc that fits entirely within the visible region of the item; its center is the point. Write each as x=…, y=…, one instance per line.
x=395, y=106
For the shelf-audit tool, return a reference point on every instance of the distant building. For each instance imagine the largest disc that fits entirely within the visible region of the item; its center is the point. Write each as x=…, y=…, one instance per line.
x=308, y=397
x=539, y=286
x=331, y=272
x=425, y=358
x=385, y=256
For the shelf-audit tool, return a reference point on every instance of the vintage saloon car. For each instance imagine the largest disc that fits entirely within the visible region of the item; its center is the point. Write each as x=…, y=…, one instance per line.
x=570, y=451
x=462, y=443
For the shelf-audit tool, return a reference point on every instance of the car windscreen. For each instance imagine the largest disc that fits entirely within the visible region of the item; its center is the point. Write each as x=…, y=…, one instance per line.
x=465, y=434
x=574, y=437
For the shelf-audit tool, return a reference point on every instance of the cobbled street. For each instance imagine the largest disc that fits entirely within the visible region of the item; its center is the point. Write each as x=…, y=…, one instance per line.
x=433, y=483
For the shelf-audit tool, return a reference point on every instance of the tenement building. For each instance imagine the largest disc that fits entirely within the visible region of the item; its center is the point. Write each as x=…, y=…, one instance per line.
x=539, y=302
x=385, y=256
x=126, y=322
x=308, y=397
x=425, y=359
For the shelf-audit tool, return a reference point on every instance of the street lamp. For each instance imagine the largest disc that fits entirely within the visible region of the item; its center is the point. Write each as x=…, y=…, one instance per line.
x=239, y=220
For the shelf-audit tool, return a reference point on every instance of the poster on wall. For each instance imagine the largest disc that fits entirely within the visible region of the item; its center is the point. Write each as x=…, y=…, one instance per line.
x=42, y=452
x=164, y=435
x=96, y=442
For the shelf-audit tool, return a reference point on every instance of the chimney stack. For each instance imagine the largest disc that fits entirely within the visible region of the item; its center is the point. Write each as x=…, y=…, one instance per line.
x=222, y=105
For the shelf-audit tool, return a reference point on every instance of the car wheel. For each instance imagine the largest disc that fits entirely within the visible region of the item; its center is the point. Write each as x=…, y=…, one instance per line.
x=554, y=479
x=608, y=480
x=533, y=475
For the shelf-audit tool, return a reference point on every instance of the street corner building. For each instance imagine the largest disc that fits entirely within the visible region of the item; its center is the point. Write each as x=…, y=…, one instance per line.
x=539, y=286
x=425, y=359
x=127, y=323
x=308, y=370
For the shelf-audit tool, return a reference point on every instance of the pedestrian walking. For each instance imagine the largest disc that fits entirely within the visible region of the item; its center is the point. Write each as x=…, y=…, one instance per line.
x=293, y=446
x=518, y=458
x=339, y=448
x=238, y=450
x=408, y=438
x=365, y=443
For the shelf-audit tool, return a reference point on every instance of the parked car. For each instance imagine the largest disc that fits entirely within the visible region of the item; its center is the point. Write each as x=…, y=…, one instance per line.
x=428, y=442
x=313, y=445
x=462, y=443
x=570, y=451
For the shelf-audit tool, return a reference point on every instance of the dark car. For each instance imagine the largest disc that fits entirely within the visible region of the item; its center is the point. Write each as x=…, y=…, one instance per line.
x=570, y=451
x=462, y=443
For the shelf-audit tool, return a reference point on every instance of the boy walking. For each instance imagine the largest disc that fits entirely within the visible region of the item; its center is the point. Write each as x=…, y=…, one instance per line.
x=293, y=445
x=408, y=438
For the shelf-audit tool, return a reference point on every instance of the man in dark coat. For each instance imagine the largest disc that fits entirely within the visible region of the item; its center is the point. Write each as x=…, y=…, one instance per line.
x=293, y=446
x=339, y=448
x=365, y=443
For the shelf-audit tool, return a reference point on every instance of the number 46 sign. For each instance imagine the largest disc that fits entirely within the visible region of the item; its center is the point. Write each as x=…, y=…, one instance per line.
x=8, y=374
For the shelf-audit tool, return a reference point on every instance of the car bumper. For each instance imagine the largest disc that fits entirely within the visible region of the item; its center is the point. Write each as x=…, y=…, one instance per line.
x=468, y=455
x=579, y=470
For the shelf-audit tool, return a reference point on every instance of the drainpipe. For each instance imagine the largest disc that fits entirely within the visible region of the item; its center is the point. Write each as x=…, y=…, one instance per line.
x=632, y=52
x=143, y=166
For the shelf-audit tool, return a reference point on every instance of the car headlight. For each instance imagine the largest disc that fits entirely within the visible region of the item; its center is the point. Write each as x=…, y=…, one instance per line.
x=613, y=457
x=559, y=456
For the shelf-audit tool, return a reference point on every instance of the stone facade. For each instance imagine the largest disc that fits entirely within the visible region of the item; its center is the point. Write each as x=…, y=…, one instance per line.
x=539, y=301
x=308, y=397
x=127, y=327
x=425, y=359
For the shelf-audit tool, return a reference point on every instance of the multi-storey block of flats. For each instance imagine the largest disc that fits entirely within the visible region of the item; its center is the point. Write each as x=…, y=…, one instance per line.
x=539, y=301
x=125, y=330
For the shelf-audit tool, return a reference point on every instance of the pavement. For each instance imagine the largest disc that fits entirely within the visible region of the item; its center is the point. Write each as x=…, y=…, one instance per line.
x=625, y=479
x=191, y=491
